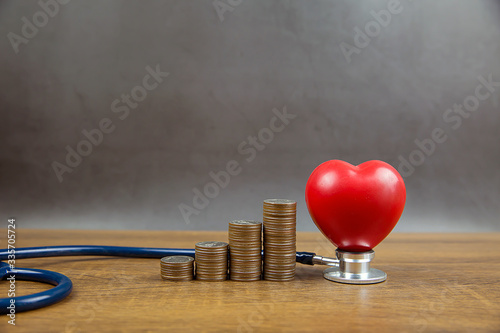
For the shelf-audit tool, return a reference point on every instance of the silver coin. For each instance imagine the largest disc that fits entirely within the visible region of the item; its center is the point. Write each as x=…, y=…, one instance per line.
x=244, y=222
x=177, y=259
x=280, y=201
x=211, y=244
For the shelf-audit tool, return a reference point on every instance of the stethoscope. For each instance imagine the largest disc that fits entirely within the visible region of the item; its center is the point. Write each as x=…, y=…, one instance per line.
x=64, y=286
x=330, y=177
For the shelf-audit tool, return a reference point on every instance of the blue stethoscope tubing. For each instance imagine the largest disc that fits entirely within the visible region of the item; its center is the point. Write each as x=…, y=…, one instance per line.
x=63, y=285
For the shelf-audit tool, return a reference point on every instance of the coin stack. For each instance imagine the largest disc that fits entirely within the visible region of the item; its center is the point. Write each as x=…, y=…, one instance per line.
x=279, y=239
x=245, y=246
x=177, y=268
x=211, y=261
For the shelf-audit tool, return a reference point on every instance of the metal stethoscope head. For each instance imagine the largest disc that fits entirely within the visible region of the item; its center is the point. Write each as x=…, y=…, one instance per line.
x=351, y=268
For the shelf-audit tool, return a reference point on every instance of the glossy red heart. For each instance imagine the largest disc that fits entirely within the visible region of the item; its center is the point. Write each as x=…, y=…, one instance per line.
x=355, y=207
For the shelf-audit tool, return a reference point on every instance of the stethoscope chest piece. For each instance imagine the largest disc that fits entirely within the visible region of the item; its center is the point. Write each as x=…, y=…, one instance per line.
x=354, y=268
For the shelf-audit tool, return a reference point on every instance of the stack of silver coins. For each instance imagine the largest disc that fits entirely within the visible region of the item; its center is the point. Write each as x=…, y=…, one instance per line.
x=177, y=268
x=245, y=246
x=279, y=239
x=211, y=261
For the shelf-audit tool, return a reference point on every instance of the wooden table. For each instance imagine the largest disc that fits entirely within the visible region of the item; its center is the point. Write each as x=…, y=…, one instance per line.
x=436, y=283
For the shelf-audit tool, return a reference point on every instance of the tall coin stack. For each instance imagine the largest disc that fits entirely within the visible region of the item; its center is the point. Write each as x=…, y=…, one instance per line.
x=211, y=261
x=177, y=268
x=245, y=247
x=279, y=239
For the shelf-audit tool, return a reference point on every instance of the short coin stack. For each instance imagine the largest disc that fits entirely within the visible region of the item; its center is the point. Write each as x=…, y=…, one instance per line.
x=177, y=268
x=211, y=261
x=245, y=246
x=279, y=239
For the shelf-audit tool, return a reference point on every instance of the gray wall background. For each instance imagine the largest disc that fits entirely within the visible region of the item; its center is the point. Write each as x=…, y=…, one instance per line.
x=225, y=79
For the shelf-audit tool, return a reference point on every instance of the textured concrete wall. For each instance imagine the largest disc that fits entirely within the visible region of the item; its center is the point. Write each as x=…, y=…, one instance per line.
x=350, y=95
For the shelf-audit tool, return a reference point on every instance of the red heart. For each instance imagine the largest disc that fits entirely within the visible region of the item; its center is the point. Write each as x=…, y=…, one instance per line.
x=355, y=207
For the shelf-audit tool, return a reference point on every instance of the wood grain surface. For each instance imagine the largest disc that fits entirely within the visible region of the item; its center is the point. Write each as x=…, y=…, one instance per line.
x=436, y=283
